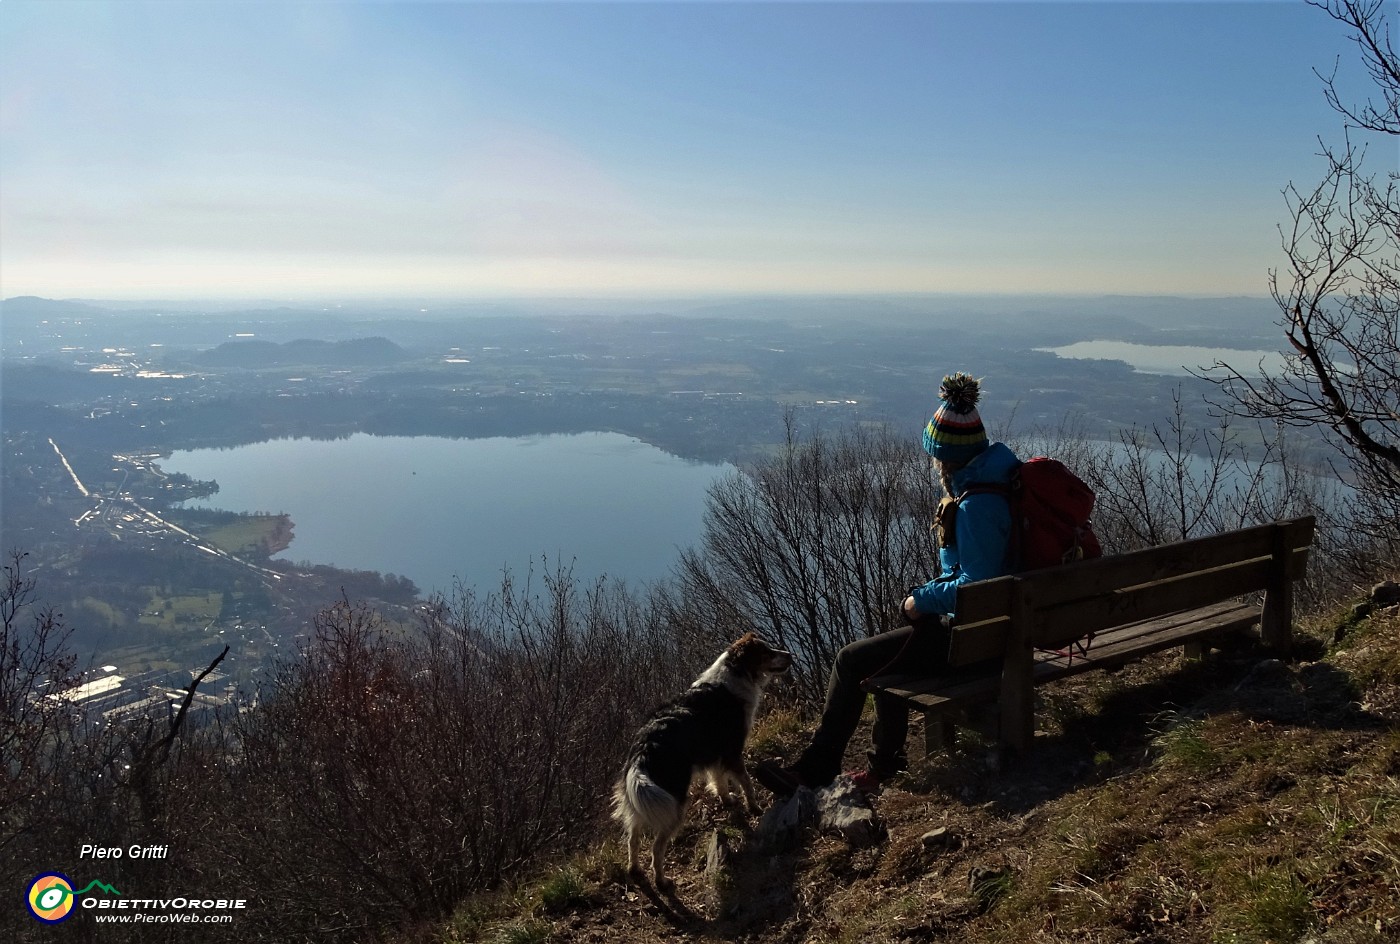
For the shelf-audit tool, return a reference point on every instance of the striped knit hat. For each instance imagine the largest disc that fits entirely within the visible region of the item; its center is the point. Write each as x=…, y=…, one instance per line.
x=956, y=434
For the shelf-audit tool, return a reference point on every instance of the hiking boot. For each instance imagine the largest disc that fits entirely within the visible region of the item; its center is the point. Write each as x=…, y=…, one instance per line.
x=781, y=781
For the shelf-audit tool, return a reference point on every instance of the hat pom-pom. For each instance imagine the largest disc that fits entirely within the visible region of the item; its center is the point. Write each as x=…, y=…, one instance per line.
x=960, y=391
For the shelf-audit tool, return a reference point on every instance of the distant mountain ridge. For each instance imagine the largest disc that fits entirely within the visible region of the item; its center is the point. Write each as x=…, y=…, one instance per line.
x=357, y=352
x=34, y=306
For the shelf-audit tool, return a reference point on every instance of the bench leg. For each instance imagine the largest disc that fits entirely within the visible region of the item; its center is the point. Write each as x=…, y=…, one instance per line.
x=1017, y=677
x=940, y=734
x=1195, y=650
x=1017, y=702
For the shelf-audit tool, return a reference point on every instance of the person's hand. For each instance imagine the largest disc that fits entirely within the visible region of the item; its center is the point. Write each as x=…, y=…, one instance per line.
x=910, y=610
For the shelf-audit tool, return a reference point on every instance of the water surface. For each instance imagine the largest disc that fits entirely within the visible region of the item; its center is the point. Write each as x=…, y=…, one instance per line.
x=437, y=510
x=1169, y=358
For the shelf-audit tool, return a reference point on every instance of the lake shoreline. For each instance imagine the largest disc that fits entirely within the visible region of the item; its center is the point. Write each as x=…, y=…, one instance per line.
x=442, y=511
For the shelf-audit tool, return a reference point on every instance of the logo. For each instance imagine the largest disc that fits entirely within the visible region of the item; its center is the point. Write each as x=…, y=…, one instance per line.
x=51, y=896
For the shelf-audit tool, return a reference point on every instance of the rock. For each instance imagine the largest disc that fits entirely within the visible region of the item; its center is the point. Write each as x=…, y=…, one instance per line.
x=1386, y=593
x=842, y=808
x=719, y=881
x=937, y=840
x=779, y=827
x=1266, y=672
x=717, y=856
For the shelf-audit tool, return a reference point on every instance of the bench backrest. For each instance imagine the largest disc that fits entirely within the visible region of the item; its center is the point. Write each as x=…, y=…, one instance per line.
x=1055, y=606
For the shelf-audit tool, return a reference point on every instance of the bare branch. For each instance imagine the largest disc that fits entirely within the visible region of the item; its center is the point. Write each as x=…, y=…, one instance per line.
x=1371, y=34
x=1339, y=293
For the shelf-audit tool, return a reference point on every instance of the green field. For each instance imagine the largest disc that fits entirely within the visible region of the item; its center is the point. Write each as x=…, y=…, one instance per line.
x=250, y=534
x=182, y=612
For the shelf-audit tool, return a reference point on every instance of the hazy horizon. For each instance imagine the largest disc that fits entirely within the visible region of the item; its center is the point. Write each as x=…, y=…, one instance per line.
x=470, y=152
x=234, y=302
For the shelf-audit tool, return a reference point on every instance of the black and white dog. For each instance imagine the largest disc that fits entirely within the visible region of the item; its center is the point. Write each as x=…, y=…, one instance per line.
x=702, y=731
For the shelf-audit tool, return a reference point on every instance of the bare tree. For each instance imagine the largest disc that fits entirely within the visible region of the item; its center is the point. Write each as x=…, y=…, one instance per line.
x=1175, y=482
x=1371, y=34
x=1339, y=294
x=387, y=773
x=35, y=665
x=814, y=548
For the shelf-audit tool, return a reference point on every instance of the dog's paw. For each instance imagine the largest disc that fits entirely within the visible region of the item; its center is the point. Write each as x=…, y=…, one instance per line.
x=636, y=874
x=665, y=884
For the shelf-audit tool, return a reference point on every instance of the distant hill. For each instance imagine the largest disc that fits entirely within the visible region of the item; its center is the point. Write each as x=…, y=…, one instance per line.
x=358, y=352
x=32, y=306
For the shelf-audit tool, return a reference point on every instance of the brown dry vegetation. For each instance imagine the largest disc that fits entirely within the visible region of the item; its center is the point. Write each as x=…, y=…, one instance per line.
x=405, y=782
x=1239, y=799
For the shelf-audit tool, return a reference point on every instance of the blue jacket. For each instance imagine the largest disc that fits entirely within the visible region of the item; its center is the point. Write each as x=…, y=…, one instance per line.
x=983, y=530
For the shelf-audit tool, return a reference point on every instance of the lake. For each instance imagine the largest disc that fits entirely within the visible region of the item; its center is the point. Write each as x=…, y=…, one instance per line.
x=1168, y=358
x=438, y=510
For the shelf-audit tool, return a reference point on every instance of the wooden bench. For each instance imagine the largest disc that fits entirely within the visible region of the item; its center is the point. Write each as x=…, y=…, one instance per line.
x=1057, y=622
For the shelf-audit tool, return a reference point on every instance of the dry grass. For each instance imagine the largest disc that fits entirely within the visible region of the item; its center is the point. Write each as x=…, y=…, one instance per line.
x=1235, y=801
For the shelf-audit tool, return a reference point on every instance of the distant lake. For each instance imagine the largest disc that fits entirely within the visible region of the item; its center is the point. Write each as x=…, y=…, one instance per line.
x=434, y=509
x=1168, y=358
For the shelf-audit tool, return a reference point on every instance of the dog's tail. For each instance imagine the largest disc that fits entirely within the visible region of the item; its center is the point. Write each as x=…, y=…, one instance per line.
x=640, y=802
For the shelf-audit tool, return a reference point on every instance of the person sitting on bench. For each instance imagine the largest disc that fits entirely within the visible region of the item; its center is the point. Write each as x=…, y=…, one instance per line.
x=972, y=545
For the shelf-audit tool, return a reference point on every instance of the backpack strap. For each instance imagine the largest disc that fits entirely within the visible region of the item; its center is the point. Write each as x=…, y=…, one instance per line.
x=945, y=521
x=986, y=488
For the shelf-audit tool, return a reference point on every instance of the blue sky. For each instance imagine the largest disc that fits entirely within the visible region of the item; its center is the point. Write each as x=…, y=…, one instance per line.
x=335, y=150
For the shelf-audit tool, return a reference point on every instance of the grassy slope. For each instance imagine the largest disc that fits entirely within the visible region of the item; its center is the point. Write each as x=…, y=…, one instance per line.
x=1236, y=800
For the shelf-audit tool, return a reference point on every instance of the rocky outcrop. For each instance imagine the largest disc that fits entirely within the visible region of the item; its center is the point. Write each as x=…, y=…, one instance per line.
x=841, y=809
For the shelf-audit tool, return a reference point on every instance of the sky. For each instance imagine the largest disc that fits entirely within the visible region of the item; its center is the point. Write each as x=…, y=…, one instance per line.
x=341, y=150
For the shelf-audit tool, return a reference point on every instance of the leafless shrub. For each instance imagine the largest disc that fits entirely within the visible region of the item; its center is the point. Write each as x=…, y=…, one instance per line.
x=35, y=665
x=67, y=779
x=391, y=770
x=37, y=733
x=1176, y=481
x=815, y=547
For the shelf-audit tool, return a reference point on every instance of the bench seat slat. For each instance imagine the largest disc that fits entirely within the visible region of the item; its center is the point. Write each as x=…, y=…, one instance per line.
x=1128, y=643
x=1114, y=647
x=1056, y=624
x=938, y=691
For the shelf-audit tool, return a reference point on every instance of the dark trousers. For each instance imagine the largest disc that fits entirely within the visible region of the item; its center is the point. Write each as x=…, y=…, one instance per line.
x=918, y=649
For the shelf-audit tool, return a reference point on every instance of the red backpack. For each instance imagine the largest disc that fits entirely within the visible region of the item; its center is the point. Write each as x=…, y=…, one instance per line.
x=1052, y=506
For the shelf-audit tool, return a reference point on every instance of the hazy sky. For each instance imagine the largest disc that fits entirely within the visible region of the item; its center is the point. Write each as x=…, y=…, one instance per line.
x=337, y=149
